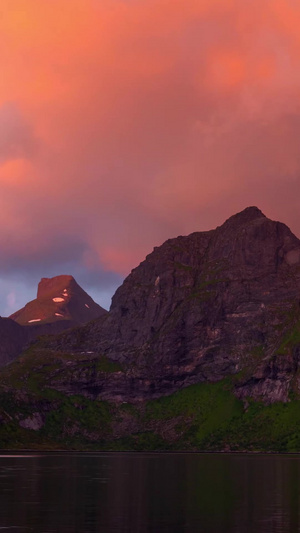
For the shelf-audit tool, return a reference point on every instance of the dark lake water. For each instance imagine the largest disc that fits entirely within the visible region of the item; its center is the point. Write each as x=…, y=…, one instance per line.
x=149, y=493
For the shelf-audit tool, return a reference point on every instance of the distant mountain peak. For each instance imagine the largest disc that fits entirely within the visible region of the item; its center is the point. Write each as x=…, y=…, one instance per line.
x=57, y=284
x=59, y=299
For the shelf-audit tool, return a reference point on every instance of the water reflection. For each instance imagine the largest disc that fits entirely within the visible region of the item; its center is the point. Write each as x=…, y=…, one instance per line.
x=149, y=493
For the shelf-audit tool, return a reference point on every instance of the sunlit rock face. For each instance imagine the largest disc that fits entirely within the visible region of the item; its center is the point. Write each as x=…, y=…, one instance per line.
x=59, y=299
x=205, y=306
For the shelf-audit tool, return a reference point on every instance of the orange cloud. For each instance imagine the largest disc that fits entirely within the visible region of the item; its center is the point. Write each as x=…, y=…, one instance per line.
x=141, y=120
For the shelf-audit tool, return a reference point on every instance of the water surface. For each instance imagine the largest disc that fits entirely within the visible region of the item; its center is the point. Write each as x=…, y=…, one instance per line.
x=149, y=493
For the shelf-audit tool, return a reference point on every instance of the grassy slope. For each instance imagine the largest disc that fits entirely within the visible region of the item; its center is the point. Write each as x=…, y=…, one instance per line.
x=199, y=417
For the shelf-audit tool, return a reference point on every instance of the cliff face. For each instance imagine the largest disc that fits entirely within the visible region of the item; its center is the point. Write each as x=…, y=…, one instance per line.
x=203, y=307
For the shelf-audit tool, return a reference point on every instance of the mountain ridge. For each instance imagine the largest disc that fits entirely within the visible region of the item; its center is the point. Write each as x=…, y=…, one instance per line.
x=215, y=296
x=200, y=350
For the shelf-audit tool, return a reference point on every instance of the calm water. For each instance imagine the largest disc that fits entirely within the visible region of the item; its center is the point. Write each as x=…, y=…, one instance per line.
x=143, y=493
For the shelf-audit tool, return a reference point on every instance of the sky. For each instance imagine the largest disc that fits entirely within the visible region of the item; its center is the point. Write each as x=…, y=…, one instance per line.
x=127, y=122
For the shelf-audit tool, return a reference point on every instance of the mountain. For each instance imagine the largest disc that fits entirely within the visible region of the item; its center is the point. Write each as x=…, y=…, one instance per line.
x=200, y=350
x=59, y=299
x=60, y=304
x=205, y=306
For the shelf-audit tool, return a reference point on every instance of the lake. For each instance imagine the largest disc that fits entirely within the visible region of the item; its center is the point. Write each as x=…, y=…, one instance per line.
x=149, y=493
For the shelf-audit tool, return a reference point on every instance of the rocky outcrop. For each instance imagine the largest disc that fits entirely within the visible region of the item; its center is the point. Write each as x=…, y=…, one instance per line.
x=206, y=306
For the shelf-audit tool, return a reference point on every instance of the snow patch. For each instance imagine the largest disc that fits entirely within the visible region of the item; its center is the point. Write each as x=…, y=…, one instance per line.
x=58, y=299
x=34, y=320
x=86, y=305
x=58, y=314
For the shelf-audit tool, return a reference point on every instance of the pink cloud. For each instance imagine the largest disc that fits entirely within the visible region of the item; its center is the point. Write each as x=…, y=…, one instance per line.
x=149, y=119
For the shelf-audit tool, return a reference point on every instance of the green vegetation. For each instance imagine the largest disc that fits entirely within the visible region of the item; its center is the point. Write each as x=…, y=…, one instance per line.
x=38, y=368
x=210, y=417
x=208, y=283
x=182, y=266
x=205, y=407
x=291, y=339
x=75, y=417
x=274, y=427
x=205, y=416
x=107, y=365
x=200, y=417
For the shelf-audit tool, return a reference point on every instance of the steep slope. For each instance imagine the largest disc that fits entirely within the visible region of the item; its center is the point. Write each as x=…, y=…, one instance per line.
x=59, y=299
x=205, y=306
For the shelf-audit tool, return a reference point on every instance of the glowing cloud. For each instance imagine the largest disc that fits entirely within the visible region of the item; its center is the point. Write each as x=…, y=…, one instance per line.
x=125, y=123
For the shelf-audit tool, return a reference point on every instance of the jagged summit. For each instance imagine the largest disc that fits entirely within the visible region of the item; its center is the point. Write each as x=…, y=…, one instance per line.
x=249, y=213
x=246, y=216
x=49, y=286
x=250, y=240
x=59, y=299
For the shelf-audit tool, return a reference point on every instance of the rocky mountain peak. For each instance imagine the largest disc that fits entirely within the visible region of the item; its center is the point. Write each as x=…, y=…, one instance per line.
x=252, y=244
x=59, y=299
x=246, y=216
x=48, y=286
x=244, y=223
x=60, y=304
